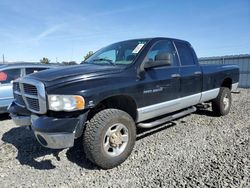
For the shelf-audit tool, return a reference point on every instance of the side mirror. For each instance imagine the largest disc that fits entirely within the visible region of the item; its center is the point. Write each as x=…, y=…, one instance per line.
x=162, y=59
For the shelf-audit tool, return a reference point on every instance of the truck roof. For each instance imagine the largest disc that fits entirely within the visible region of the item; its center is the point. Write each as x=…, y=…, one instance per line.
x=159, y=38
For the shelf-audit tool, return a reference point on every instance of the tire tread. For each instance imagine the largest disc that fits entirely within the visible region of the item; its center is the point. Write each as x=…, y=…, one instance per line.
x=217, y=105
x=93, y=130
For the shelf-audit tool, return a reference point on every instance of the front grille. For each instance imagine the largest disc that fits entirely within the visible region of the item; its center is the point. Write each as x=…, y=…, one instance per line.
x=30, y=89
x=30, y=93
x=33, y=103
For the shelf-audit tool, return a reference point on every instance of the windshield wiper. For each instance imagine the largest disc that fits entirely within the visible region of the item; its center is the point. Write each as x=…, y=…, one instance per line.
x=104, y=59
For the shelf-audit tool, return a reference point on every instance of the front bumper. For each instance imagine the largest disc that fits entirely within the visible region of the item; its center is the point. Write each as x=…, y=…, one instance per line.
x=55, y=140
x=20, y=115
x=21, y=120
x=50, y=132
x=4, y=103
x=55, y=133
x=3, y=109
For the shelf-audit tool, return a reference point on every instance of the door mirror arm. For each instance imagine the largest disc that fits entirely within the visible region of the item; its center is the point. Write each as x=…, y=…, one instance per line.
x=141, y=72
x=161, y=59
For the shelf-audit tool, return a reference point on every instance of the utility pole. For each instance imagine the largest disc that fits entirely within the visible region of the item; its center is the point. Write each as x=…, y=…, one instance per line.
x=3, y=58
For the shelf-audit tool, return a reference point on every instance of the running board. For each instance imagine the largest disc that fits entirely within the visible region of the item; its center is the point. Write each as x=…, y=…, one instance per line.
x=168, y=118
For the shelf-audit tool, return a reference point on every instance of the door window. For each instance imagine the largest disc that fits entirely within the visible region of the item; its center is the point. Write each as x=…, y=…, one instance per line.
x=185, y=54
x=33, y=70
x=163, y=47
x=7, y=76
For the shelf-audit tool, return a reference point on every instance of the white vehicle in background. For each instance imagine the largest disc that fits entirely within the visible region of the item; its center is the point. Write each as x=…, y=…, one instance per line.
x=10, y=72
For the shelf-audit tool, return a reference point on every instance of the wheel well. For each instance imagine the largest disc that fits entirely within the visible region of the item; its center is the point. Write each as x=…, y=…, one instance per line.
x=227, y=83
x=121, y=102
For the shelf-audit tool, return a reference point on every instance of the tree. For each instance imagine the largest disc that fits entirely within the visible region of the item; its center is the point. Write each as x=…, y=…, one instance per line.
x=72, y=63
x=90, y=53
x=44, y=60
x=69, y=63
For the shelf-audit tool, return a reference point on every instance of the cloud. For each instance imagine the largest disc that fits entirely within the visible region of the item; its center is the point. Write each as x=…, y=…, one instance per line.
x=75, y=26
x=47, y=32
x=33, y=40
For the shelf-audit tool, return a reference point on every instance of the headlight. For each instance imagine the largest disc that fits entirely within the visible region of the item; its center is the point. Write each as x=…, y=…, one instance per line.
x=66, y=102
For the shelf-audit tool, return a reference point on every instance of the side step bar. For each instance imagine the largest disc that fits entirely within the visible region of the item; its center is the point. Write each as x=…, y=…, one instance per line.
x=168, y=118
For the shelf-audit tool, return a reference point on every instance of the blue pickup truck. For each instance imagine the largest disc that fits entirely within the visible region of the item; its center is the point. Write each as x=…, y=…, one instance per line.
x=134, y=83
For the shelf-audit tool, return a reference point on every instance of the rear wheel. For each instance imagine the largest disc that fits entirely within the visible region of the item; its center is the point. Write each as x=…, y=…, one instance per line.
x=222, y=103
x=109, y=138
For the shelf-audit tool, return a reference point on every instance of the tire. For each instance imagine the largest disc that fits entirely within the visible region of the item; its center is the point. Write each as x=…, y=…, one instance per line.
x=222, y=103
x=109, y=138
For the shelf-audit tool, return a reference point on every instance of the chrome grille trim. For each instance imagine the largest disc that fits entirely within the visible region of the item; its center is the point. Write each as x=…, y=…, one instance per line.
x=35, y=99
x=19, y=99
x=17, y=92
x=30, y=96
x=16, y=86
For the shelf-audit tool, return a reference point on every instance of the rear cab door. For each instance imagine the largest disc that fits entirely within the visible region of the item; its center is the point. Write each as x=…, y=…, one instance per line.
x=191, y=74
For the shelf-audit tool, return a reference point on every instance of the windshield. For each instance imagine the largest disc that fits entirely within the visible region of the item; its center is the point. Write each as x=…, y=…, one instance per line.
x=121, y=53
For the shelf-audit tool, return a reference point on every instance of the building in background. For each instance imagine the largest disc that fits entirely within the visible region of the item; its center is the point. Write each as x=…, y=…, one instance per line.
x=242, y=60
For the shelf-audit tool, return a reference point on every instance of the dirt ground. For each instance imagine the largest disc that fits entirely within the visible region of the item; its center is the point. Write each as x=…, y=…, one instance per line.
x=199, y=150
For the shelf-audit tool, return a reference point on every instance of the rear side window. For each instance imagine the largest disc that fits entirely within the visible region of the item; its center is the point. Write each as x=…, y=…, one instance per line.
x=33, y=70
x=185, y=54
x=6, y=76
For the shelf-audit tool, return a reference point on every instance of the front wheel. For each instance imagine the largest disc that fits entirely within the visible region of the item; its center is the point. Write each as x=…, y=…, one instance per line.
x=222, y=103
x=109, y=138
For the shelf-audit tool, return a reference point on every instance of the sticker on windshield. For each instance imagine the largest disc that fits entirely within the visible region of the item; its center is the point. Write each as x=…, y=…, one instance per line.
x=137, y=48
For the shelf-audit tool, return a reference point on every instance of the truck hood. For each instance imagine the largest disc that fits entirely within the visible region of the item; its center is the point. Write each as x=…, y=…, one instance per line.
x=74, y=72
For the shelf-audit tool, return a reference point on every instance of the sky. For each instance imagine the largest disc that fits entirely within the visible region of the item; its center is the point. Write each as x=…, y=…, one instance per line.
x=64, y=30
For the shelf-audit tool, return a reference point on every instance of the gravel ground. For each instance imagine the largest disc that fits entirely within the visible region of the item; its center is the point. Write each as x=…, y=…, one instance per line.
x=198, y=150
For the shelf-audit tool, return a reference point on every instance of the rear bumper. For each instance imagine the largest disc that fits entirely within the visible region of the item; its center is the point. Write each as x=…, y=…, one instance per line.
x=50, y=132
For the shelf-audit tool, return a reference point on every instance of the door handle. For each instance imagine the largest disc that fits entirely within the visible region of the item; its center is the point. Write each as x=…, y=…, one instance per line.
x=175, y=75
x=197, y=73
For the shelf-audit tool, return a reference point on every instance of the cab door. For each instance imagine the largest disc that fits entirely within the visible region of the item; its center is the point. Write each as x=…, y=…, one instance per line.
x=191, y=74
x=161, y=86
